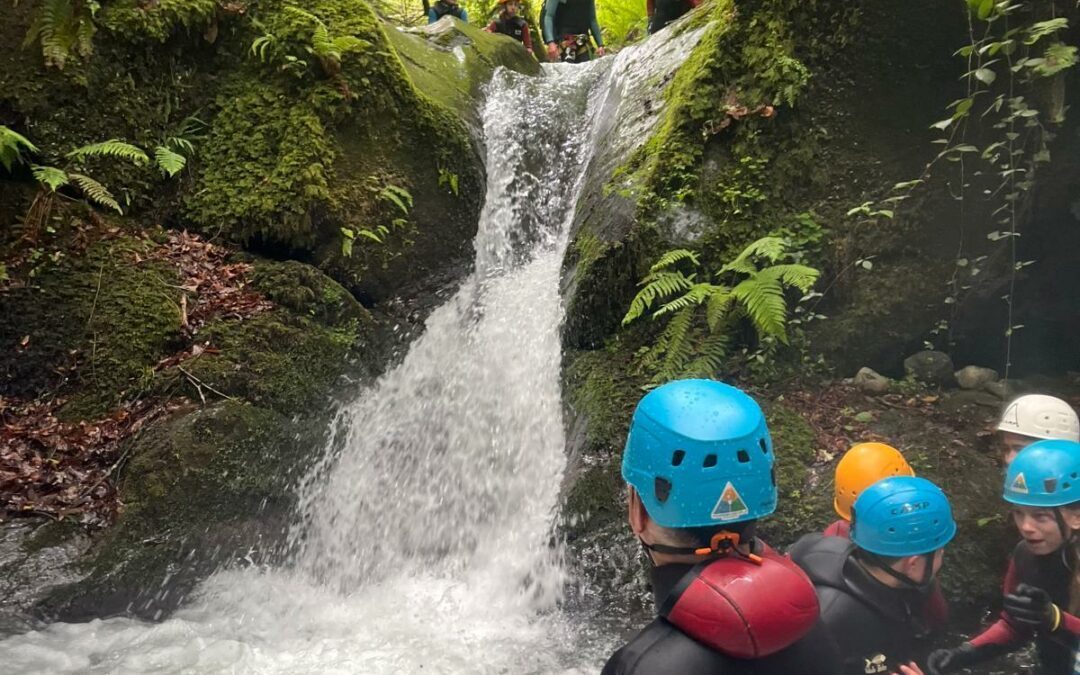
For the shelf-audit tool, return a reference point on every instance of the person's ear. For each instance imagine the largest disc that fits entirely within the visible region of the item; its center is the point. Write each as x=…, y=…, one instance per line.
x=636, y=513
x=1071, y=516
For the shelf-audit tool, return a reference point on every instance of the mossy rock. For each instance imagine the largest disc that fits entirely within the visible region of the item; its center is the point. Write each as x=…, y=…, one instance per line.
x=103, y=310
x=199, y=490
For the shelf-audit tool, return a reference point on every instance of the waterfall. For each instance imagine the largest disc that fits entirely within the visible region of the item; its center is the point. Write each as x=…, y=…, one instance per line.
x=424, y=540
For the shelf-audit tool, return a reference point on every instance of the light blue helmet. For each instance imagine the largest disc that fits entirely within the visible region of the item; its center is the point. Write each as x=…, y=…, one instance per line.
x=699, y=454
x=902, y=516
x=1045, y=474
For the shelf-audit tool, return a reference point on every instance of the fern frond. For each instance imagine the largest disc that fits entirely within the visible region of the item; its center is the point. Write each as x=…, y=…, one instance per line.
x=709, y=357
x=677, y=345
x=659, y=284
x=769, y=248
x=718, y=308
x=12, y=145
x=697, y=294
x=96, y=192
x=302, y=13
x=349, y=43
x=672, y=257
x=321, y=44
x=799, y=276
x=399, y=196
x=51, y=176
x=111, y=148
x=170, y=163
x=63, y=27
x=763, y=298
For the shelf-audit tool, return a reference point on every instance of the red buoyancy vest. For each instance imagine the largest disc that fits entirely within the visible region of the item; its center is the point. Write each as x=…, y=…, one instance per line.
x=742, y=608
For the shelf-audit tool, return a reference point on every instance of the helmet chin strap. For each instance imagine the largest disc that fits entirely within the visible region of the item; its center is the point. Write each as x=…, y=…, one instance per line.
x=722, y=544
x=923, y=586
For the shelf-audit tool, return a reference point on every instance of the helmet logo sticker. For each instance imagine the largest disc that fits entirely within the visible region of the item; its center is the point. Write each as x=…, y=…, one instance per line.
x=730, y=505
x=1019, y=484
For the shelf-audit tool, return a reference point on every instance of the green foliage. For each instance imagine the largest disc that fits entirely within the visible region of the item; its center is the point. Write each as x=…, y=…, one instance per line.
x=328, y=50
x=449, y=180
x=110, y=148
x=64, y=28
x=701, y=315
x=50, y=177
x=170, y=162
x=395, y=195
x=12, y=146
x=622, y=21
x=159, y=20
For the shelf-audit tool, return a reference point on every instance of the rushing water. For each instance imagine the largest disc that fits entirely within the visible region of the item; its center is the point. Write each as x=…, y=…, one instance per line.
x=424, y=542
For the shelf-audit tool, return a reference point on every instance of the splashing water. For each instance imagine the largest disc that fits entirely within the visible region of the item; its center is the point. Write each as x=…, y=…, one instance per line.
x=423, y=542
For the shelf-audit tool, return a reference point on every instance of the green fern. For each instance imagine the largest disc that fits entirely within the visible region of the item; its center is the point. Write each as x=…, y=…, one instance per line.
x=95, y=191
x=50, y=176
x=111, y=148
x=12, y=146
x=63, y=27
x=700, y=316
x=170, y=163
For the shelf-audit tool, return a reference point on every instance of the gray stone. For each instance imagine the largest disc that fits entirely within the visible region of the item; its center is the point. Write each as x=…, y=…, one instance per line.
x=931, y=367
x=997, y=388
x=872, y=382
x=975, y=377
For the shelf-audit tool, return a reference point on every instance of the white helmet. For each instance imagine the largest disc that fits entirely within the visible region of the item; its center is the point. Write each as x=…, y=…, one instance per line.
x=1041, y=416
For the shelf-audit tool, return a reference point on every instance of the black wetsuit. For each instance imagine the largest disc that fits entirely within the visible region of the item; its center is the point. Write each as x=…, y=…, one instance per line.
x=662, y=649
x=666, y=11
x=875, y=627
x=441, y=9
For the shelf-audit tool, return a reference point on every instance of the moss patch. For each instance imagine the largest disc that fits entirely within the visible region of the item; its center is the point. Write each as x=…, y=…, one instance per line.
x=105, y=312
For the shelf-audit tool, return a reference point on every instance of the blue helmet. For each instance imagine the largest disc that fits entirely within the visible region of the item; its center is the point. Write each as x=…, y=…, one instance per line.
x=699, y=454
x=1045, y=474
x=902, y=516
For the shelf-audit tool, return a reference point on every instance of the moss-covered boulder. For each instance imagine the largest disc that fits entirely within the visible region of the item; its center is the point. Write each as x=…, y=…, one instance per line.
x=202, y=489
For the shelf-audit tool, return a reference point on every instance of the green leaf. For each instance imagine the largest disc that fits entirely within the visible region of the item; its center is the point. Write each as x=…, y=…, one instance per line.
x=96, y=192
x=985, y=75
x=111, y=148
x=986, y=8
x=943, y=124
x=169, y=162
x=50, y=176
x=12, y=145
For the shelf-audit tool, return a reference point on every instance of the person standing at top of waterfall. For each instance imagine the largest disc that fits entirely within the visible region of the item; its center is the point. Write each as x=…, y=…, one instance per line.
x=445, y=7
x=874, y=588
x=698, y=464
x=860, y=467
x=566, y=26
x=1036, y=417
x=1042, y=584
x=663, y=12
x=509, y=23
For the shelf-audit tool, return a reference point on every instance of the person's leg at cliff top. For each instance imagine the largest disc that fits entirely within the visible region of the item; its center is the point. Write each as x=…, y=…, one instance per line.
x=698, y=465
x=563, y=21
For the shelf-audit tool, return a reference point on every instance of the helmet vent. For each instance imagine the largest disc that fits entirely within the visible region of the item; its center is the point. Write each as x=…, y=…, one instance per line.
x=764, y=446
x=677, y=457
x=710, y=461
x=662, y=487
x=744, y=457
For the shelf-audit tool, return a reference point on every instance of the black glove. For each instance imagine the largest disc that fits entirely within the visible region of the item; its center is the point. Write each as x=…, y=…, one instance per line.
x=943, y=661
x=1032, y=607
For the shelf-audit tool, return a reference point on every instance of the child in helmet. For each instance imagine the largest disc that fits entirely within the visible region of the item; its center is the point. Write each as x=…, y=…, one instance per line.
x=509, y=23
x=1036, y=417
x=860, y=467
x=698, y=465
x=874, y=589
x=1041, y=586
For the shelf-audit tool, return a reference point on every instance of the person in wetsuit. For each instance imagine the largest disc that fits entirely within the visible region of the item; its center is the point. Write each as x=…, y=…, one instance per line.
x=860, y=467
x=1041, y=585
x=509, y=23
x=1036, y=417
x=873, y=589
x=566, y=26
x=663, y=12
x=444, y=7
x=698, y=464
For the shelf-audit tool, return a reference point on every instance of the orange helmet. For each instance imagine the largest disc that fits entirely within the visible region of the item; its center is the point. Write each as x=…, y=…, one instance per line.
x=862, y=466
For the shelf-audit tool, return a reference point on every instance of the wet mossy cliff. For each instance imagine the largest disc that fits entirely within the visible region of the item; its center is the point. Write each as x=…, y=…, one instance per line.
x=783, y=120
x=334, y=172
